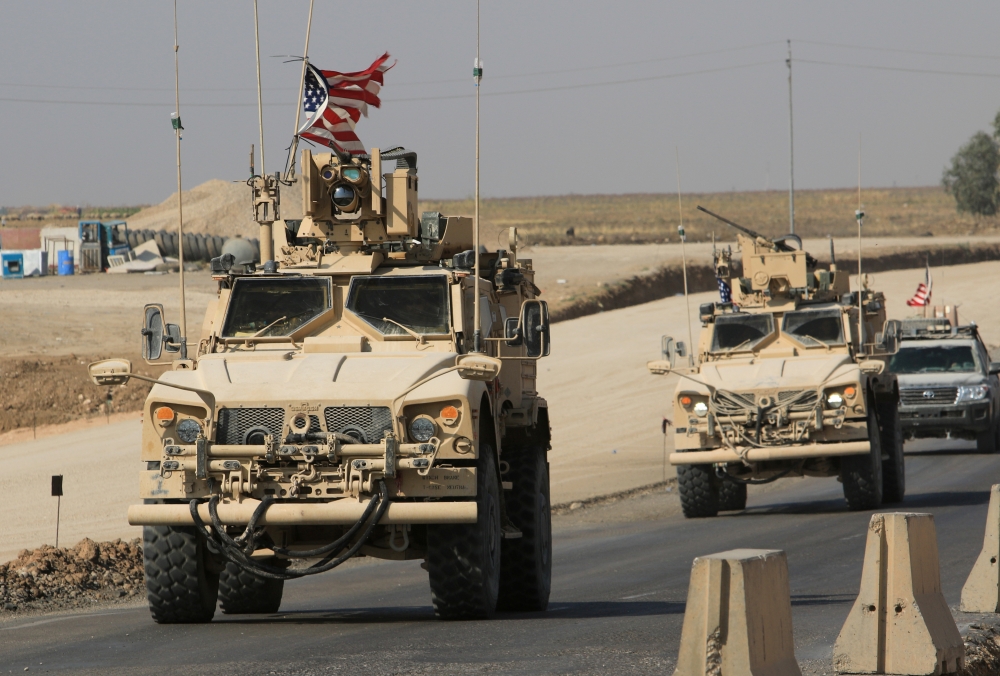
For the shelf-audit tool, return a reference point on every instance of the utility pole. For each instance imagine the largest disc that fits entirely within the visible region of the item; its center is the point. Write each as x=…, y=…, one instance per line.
x=791, y=148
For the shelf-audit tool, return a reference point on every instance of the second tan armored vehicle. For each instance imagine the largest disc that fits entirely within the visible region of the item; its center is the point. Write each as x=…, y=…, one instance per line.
x=786, y=382
x=336, y=408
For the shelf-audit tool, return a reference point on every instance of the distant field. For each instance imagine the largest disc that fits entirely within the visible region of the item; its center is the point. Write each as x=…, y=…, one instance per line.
x=614, y=219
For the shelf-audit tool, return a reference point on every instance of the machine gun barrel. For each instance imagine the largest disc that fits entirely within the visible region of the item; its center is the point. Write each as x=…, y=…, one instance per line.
x=780, y=246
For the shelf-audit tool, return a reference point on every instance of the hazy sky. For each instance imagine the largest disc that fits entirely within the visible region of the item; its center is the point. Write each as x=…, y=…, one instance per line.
x=86, y=92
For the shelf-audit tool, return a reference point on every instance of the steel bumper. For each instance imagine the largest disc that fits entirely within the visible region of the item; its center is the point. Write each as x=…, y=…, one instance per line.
x=771, y=453
x=337, y=513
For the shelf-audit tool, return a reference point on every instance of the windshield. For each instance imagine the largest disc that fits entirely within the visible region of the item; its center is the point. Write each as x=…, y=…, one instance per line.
x=741, y=330
x=934, y=359
x=815, y=327
x=261, y=307
x=418, y=303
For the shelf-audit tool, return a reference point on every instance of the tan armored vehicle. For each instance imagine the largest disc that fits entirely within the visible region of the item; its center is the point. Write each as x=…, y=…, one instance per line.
x=336, y=407
x=785, y=381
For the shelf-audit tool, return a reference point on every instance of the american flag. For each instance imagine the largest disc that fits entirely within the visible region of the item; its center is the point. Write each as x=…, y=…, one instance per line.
x=725, y=293
x=922, y=297
x=336, y=101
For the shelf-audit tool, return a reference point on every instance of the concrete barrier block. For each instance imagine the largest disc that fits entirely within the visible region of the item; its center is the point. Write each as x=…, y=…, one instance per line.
x=738, y=620
x=981, y=593
x=900, y=622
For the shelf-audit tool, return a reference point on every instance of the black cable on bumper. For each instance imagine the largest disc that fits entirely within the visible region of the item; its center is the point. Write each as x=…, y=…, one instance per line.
x=238, y=550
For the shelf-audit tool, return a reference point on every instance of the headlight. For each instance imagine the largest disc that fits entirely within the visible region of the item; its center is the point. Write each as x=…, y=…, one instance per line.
x=422, y=429
x=700, y=409
x=973, y=392
x=188, y=430
x=835, y=400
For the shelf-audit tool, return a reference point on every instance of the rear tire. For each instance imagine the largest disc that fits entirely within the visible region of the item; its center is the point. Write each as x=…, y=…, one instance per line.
x=699, y=491
x=862, y=474
x=463, y=560
x=242, y=592
x=179, y=586
x=526, y=562
x=894, y=467
x=732, y=496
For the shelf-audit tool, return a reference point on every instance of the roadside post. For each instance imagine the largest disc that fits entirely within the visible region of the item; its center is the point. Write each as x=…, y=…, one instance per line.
x=57, y=491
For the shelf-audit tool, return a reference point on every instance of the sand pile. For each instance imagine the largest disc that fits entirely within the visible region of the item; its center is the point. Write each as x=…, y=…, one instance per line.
x=89, y=573
x=216, y=207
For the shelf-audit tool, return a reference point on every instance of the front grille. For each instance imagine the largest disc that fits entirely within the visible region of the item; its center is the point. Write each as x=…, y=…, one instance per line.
x=928, y=396
x=369, y=423
x=805, y=400
x=734, y=403
x=234, y=423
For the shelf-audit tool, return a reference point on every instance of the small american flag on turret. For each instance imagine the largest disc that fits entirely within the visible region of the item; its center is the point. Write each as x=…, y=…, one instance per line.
x=922, y=297
x=336, y=101
x=725, y=294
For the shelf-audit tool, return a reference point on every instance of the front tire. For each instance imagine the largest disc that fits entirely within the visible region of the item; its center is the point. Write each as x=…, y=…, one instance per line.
x=986, y=442
x=180, y=587
x=526, y=562
x=463, y=560
x=862, y=474
x=894, y=467
x=241, y=592
x=699, y=491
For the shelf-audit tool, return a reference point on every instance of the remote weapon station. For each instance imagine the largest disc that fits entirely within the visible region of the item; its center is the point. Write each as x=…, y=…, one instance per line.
x=789, y=379
x=340, y=403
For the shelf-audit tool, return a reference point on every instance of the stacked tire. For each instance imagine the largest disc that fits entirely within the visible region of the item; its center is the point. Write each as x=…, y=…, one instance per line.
x=197, y=246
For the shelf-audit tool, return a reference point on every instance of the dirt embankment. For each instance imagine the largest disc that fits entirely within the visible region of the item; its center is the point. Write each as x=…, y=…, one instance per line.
x=52, y=390
x=90, y=573
x=669, y=280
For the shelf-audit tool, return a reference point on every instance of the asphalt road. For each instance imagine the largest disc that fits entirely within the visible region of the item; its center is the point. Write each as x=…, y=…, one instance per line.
x=620, y=583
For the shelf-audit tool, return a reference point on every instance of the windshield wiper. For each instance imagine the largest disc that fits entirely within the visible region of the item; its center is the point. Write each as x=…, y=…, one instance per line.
x=827, y=346
x=257, y=335
x=733, y=349
x=418, y=337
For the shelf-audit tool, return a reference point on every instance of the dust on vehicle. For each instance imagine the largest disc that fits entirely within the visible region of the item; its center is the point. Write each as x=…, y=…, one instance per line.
x=335, y=407
x=785, y=381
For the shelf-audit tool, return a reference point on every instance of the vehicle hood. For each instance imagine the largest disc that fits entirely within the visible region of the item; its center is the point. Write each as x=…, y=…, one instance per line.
x=280, y=378
x=775, y=373
x=918, y=380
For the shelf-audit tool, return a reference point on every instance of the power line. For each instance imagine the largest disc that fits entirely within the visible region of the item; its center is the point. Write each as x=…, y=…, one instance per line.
x=423, y=98
x=590, y=84
x=581, y=69
x=900, y=51
x=604, y=67
x=899, y=69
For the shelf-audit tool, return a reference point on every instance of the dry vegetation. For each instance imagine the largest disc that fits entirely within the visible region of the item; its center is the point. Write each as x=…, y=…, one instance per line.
x=616, y=219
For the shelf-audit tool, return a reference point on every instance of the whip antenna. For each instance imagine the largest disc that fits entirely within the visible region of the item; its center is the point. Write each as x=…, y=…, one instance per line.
x=860, y=216
x=176, y=120
x=477, y=74
x=680, y=231
x=290, y=166
x=791, y=148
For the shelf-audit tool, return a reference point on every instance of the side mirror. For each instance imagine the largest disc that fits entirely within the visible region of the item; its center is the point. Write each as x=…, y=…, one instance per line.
x=172, y=341
x=889, y=339
x=667, y=348
x=477, y=367
x=110, y=371
x=512, y=332
x=681, y=349
x=994, y=367
x=152, y=332
x=534, y=326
